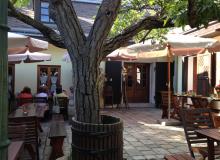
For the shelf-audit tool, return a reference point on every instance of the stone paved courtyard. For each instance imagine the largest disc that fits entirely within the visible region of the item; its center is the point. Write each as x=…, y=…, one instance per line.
x=143, y=138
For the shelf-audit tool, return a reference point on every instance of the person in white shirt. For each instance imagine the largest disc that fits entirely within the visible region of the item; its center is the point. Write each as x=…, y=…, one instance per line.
x=42, y=92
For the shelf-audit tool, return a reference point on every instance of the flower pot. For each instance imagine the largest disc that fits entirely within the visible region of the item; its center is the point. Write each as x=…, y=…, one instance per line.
x=102, y=141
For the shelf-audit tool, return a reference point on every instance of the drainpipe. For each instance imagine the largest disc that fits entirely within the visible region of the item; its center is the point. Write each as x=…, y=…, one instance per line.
x=4, y=142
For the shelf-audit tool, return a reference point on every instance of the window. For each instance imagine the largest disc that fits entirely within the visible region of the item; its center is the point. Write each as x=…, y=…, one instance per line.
x=48, y=75
x=44, y=10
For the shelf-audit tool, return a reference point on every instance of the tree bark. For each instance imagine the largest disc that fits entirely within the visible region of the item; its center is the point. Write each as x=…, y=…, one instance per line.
x=86, y=80
x=192, y=13
x=48, y=33
x=85, y=53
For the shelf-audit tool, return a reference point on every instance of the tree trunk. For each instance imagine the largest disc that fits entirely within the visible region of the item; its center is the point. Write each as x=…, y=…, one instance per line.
x=86, y=81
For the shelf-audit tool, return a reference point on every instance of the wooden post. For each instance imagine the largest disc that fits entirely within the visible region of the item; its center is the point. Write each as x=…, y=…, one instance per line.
x=168, y=79
x=4, y=142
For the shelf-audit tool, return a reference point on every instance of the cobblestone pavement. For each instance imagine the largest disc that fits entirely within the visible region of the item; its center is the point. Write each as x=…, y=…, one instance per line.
x=144, y=139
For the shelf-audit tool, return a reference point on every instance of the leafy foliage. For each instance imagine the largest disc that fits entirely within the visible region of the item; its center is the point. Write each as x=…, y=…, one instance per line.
x=134, y=10
x=20, y=3
x=176, y=10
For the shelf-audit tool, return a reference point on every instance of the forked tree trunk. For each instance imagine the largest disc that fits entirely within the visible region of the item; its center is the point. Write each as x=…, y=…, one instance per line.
x=86, y=82
x=85, y=52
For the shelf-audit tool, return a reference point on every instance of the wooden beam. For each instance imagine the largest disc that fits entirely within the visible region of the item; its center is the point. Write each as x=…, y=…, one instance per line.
x=4, y=142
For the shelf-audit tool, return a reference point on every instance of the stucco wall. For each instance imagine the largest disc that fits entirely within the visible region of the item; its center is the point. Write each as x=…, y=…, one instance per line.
x=26, y=73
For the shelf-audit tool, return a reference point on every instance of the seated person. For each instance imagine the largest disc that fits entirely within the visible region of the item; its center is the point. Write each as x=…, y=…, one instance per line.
x=25, y=93
x=25, y=96
x=60, y=93
x=42, y=92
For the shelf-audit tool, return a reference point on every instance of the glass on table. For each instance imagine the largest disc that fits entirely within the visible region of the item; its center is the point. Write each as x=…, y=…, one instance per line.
x=25, y=108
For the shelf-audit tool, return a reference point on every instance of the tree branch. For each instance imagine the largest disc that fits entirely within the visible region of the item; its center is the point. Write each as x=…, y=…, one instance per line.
x=52, y=37
x=148, y=23
x=104, y=21
x=144, y=38
x=192, y=13
x=63, y=13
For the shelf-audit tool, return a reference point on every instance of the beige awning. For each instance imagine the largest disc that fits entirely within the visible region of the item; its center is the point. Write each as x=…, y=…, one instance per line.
x=18, y=43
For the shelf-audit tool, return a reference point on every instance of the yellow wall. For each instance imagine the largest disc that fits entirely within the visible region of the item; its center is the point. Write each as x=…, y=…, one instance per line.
x=26, y=73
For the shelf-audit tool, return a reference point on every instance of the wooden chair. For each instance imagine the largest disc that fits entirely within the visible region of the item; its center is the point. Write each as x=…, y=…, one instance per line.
x=180, y=156
x=176, y=107
x=40, y=100
x=108, y=95
x=197, y=119
x=195, y=102
x=164, y=104
x=63, y=103
x=31, y=134
x=204, y=103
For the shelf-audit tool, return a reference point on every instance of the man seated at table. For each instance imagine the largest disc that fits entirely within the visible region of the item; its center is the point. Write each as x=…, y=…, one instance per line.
x=60, y=93
x=42, y=92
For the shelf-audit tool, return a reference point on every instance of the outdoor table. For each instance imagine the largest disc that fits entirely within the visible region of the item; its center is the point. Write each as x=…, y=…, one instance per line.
x=30, y=110
x=212, y=135
x=200, y=99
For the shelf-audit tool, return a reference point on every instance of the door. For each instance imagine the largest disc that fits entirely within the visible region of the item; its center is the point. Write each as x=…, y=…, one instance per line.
x=137, y=82
x=113, y=78
x=203, y=74
x=48, y=75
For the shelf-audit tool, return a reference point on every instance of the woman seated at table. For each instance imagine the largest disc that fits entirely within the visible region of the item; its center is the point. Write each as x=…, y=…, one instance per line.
x=25, y=93
x=42, y=92
x=25, y=96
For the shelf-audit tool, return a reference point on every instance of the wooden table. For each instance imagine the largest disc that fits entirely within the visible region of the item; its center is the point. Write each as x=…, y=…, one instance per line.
x=203, y=101
x=15, y=149
x=212, y=135
x=32, y=109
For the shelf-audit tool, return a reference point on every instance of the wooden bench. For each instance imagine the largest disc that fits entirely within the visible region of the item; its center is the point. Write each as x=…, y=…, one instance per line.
x=57, y=134
x=15, y=150
x=182, y=156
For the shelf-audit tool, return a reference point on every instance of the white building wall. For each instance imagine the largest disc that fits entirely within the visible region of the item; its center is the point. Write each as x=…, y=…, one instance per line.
x=26, y=73
x=178, y=72
x=190, y=74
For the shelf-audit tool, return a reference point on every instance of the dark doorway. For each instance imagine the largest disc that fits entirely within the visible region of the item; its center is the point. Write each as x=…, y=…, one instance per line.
x=113, y=79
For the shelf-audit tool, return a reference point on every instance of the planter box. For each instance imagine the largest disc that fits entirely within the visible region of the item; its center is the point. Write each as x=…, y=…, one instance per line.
x=102, y=141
